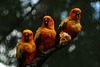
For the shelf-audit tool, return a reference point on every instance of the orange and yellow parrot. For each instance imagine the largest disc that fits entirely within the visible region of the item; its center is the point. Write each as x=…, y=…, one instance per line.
x=45, y=35
x=71, y=25
x=26, y=49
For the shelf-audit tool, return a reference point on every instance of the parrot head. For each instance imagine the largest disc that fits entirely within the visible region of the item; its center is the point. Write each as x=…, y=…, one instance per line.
x=75, y=14
x=27, y=35
x=48, y=22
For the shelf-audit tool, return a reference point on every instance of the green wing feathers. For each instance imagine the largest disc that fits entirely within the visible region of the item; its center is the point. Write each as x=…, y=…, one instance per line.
x=62, y=25
x=37, y=38
x=20, y=54
x=60, y=28
x=37, y=34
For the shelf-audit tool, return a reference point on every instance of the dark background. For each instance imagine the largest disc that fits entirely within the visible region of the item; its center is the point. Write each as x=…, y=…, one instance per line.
x=84, y=51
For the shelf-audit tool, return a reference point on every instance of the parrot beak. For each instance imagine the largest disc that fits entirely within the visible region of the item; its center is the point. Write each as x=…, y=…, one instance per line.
x=46, y=22
x=26, y=37
x=77, y=14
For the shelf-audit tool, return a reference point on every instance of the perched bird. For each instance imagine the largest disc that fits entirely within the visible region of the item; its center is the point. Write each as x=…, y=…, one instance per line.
x=26, y=49
x=45, y=35
x=70, y=25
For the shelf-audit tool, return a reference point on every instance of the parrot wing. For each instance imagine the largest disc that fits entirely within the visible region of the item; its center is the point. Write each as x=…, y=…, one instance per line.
x=60, y=28
x=37, y=38
x=21, y=60
x=62, y=25
x=20, y=54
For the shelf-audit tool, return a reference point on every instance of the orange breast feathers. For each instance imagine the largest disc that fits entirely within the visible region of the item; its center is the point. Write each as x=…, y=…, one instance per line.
x=26, y=49
x=73, y=28
x=48, y=39
x=48, y=34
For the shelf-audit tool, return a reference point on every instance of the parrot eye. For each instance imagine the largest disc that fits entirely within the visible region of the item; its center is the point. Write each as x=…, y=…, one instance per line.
x=20, y=50
x=50, y=20
x=30, y=34
x=73, y=11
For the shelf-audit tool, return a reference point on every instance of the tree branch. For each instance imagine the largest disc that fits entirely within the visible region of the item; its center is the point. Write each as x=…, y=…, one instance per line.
x=38, y=61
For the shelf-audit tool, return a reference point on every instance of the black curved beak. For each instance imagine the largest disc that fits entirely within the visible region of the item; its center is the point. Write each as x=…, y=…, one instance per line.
x=26, y=37
x=46, y=22
x=77, y=14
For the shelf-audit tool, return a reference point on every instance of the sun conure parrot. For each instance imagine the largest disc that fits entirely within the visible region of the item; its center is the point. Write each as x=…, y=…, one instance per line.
x=45, y=35
x=70, y=25
x=26, y=49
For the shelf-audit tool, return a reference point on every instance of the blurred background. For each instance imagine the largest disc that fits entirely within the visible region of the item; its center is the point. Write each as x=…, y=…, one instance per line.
x=15, y=16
